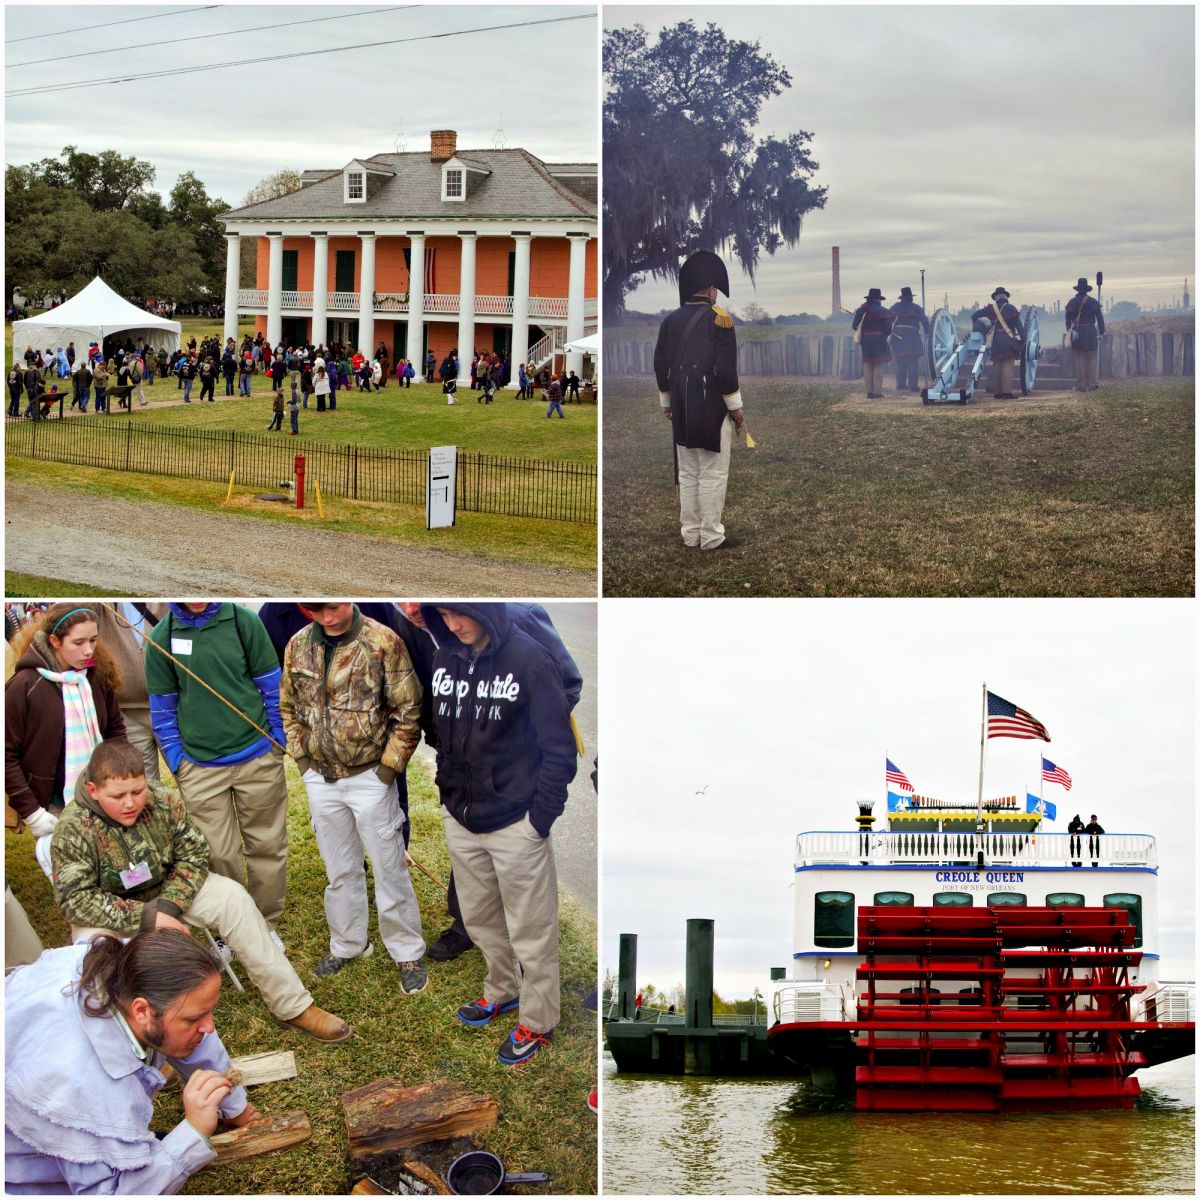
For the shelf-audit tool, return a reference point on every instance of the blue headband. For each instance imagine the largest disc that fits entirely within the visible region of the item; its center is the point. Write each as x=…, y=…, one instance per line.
x=71, y=614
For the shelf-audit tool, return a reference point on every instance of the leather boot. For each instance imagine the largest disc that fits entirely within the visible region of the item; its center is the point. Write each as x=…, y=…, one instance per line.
x=320, y=1025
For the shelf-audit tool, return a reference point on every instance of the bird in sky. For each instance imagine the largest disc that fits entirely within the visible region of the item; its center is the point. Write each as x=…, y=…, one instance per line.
x=702, y=790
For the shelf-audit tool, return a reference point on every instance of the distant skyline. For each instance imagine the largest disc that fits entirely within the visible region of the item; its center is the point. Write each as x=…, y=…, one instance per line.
x=1022, y=152
x=783, y=711
x=236, y=125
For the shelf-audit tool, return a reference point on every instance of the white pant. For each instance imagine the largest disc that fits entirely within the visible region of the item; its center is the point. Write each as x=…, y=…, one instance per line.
x=225, y=906
x=352, y=816
x=703, y=476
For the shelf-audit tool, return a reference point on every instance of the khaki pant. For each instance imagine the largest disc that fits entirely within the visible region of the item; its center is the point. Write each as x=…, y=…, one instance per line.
x=1001, y=376
x=140, y=733
x=873, y=377
x=508, y=890
x=225, y=907
x=242, y=811
x=21, y=942
x=1085, y=369
x=703, y=477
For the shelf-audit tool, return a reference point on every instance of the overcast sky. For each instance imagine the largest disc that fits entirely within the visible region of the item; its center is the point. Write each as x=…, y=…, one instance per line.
x=1022, y=146
x=787, y=709
x=235, y=126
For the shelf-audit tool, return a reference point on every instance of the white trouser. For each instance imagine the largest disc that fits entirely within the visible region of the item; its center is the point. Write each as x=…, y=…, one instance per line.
x=225, y=906
x=21, y=942
x=703, y=476
x=352, y=816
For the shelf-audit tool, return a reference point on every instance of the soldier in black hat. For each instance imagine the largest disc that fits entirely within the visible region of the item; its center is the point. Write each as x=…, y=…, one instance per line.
x=907, y=344
x=1085, y=325
x=1004, y=341
x=876, y=324
x=695, y=363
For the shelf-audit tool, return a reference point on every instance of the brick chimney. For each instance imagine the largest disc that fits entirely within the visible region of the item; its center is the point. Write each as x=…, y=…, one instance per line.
x=442, y=144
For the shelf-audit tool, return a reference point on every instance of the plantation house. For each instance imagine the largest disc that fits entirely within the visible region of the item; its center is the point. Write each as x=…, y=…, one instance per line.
x=505, y=245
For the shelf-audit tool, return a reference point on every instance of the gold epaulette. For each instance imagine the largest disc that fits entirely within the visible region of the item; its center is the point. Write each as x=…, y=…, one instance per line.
x=722, y=318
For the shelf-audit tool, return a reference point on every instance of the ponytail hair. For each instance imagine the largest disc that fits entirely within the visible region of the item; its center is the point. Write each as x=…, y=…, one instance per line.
x=159, y=965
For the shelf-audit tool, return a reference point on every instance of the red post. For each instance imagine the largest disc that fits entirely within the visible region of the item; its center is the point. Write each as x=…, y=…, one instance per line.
x=299, y=469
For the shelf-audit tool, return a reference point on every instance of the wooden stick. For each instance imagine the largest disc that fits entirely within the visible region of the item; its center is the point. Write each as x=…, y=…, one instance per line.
x=412, y=862
x=274, y=1133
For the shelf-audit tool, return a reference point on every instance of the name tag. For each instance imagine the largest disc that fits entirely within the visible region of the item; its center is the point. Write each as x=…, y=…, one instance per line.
x=139, y=873
x=181, y=645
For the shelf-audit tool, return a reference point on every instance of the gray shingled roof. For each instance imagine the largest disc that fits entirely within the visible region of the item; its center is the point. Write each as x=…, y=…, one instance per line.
x=519, y=186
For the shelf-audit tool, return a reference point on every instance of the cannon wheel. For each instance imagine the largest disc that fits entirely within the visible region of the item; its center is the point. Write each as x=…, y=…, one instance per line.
x=1031, y=348
x=942, y=342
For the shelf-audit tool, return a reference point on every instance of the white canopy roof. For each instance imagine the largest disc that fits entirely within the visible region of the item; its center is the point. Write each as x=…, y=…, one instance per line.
x=584, y=345
x=90, y=316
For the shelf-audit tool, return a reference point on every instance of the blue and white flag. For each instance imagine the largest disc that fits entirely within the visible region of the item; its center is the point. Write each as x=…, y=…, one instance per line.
x=899, y=803
x=1035, y=804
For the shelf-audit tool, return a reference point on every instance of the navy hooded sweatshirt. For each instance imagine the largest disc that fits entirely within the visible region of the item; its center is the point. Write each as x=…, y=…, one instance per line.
x=505, y=746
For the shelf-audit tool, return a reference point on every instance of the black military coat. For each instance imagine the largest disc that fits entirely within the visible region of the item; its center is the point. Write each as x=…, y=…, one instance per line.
x=907, y=330
x=695, y=361
x=1090, y=325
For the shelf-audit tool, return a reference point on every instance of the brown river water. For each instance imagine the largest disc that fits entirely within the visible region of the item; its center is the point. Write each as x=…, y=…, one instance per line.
x=770, y=1137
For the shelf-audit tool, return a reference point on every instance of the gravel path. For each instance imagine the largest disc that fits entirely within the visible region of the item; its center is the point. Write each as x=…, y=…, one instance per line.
x=141, y=548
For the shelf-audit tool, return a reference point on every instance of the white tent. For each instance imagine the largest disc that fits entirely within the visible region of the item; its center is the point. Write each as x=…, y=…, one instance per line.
x=90, y=316
x=584, y=345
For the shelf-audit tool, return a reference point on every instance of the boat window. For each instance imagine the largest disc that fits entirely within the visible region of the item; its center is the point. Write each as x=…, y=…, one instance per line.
x=833, y=919
x=1064, y=900
x=899, y=899
x=1132, y=905
x=954, y=899
x=1007, y=900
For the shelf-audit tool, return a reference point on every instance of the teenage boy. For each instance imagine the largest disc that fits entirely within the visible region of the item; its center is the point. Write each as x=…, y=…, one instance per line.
x=127, y=857
x=506, y=754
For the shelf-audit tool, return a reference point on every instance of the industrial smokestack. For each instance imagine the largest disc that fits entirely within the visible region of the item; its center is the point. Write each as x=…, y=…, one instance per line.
x=837, y=280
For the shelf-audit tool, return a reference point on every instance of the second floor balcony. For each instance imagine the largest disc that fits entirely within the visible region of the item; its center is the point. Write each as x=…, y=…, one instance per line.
x=542, y=309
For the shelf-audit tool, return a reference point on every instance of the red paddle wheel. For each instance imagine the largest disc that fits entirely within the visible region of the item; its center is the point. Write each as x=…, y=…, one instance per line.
x=1033, y=1009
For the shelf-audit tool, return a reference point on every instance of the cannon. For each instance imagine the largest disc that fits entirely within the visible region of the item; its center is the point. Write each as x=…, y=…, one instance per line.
x=948, y=357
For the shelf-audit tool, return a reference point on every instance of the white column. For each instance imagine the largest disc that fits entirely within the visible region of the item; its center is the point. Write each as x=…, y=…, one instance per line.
x=320, y=289
x=520, y=325
x=579, y=243
x=233, y=277
x=415, y=347
x=466, y=307
x=275, y=290
x=366, y=296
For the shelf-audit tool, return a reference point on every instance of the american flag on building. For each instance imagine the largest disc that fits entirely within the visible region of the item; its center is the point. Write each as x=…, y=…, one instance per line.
x=1055, y=774
x=897, y=776
x=1005, y=719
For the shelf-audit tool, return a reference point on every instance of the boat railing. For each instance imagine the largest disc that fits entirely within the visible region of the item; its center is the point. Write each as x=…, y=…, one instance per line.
x=1167, y=1001
x=657, y=1016
x=811, y=1001
x=1002, y=849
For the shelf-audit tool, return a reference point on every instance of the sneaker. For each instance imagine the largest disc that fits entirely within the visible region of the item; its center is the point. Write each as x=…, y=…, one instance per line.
x=483, y=1013
x=594, y=1100
x=331, y=964
x=412, y=977
x=522, y=1044
x=278, y=942
x=226, y=952
x=450, y=944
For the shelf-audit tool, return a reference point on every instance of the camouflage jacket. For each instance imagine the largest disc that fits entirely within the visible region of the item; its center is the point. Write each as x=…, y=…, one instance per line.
x=365, y=711
x=89, y=851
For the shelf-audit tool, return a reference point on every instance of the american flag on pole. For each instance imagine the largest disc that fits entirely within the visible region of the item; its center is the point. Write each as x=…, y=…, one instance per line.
x=897, y=776
x=1005, y=719
x=1053, y=774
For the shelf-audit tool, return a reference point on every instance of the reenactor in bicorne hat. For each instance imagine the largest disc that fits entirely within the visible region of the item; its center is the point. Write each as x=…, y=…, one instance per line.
x=1005, y=340
x=874, y=323
x=907, y=344
x=695, y=363
x=1085, y=327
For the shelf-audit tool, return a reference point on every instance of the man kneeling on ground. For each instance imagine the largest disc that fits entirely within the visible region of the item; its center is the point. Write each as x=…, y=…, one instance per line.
x=88, y=1031
x=127, y=857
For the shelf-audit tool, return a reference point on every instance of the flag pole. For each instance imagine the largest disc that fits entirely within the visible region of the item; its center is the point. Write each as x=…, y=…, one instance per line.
x=979, y=826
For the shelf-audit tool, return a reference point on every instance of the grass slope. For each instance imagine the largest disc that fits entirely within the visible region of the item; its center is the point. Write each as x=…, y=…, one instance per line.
x=543, y=1122
x=1089, y=498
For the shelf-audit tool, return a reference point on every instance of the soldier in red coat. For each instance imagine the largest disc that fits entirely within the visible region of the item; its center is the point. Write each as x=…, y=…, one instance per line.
x=875, y=323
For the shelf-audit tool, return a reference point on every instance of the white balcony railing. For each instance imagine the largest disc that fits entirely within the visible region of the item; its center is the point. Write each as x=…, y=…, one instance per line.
x=544, y=309
x=814, y=1001
x=341, y=302
x=1041, y=849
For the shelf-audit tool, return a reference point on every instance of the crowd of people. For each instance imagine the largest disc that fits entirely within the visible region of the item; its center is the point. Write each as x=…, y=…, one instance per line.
x=223, y=694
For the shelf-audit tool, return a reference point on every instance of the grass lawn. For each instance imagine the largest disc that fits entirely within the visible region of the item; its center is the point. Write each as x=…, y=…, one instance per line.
x=543, y=1125
x=16, y=583
x=512, y=539
x=1090, y=497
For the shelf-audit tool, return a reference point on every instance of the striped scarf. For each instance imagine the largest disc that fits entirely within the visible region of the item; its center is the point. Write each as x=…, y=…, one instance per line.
x=80, y=722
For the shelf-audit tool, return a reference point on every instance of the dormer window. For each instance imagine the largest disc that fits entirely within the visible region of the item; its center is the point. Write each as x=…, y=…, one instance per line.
x=356, y=187
x=453, y=186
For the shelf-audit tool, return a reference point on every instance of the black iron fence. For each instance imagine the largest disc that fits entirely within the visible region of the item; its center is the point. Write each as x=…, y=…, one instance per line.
x=487, y=483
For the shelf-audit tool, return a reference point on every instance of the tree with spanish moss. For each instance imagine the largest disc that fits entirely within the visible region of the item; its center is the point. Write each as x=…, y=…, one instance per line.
x=683, y=170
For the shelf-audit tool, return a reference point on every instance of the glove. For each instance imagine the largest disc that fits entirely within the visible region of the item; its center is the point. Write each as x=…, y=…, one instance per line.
x=41, y=823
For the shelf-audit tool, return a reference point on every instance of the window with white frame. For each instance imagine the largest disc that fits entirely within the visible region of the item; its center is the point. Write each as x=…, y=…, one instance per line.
x=453, y=187
x=356, y=188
